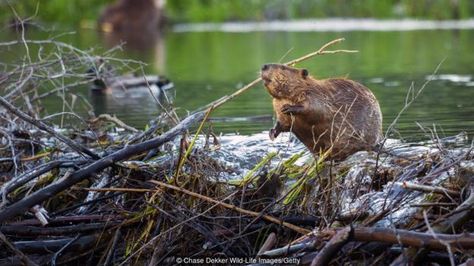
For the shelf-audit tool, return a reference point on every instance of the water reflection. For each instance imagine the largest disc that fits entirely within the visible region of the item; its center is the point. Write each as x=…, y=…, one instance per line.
x=138, y=105
x=140, y=42
x=132, y=40
x=137, y=24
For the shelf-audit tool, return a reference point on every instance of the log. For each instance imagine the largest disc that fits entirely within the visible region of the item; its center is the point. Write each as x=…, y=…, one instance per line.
x=21, y=230
x=460, y=242
x=414, y=239
x=42, y=246
x=68, y=220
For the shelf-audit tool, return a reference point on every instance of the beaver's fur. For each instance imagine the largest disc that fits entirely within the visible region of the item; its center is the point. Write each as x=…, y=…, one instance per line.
x=131, y=16
x=336, y=115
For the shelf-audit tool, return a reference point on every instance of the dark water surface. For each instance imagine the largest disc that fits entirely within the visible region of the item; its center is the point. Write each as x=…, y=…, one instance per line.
x=207, y=65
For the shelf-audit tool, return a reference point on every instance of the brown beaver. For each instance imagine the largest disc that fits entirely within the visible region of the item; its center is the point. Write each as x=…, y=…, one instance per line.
x=337, y=115
x=132, y=16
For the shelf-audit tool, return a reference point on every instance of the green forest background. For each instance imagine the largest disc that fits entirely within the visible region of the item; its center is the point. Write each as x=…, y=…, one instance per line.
x=76, y=12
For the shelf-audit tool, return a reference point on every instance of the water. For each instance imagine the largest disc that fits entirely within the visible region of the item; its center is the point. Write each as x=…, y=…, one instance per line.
x=205, y=65
x=330, y=25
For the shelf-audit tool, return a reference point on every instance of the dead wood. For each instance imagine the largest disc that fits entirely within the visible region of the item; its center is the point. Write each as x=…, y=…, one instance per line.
x=289, y=249
x=113, y=247
x=39, y=196
x=21, y=230
x=40, y=246
x=193, y=211
x=23, y=258
x=30, y=175
x=459, y=216
x=114, y=119
x=321, y=51
x=235, y=208
x=333, y=246
x=39, y=124
x=68, y=220
x=414, y=239
x=429, y=189
x=268, y=244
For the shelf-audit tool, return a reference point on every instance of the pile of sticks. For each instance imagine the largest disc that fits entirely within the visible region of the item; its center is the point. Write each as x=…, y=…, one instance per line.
x=153, y=197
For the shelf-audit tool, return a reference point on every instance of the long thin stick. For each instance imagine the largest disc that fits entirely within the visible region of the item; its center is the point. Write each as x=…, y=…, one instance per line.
x=321, y=51
x=233, y=207
x=429, y=189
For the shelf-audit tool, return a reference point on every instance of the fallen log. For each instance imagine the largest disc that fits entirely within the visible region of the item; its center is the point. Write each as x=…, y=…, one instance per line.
x=374, y=234
x=414, y=239
x=21, y=230
x=69, y=220
x=41, y=246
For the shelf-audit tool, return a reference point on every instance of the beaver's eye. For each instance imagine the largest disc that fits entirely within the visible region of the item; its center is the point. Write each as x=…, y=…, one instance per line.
x=266, y=81
x=304, y=73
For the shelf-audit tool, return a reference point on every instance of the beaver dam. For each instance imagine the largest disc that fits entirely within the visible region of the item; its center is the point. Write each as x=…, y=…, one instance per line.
x=94, y=190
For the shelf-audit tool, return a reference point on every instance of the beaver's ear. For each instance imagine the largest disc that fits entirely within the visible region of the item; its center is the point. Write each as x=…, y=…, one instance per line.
x=304, y=73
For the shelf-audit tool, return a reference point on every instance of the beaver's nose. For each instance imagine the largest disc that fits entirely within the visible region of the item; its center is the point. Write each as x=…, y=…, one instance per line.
x=265, y=67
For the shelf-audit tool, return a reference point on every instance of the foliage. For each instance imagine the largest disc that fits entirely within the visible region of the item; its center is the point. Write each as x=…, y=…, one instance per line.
x=58, y=11
x=66, y=12
x=218, y=11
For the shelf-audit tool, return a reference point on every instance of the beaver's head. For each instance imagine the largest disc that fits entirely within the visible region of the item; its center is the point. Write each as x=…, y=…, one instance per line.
x=283, y=81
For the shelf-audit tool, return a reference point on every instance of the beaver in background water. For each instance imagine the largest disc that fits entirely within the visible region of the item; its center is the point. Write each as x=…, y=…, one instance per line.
x=336, y=115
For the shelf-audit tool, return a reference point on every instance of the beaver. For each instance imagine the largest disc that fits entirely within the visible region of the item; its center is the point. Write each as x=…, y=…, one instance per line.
x=132, y=16
x=338, y=116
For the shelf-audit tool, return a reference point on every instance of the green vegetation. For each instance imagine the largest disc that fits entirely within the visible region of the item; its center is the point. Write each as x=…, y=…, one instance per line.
x=218, y=10
x=75, y=12
x=55, y=11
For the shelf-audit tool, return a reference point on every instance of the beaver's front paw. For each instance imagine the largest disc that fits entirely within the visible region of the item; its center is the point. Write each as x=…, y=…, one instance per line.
x=276, y=130
x=292, y=109
x=273, y=133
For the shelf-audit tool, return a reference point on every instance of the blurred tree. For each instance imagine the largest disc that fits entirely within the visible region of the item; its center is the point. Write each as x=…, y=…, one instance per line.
x=58, y=11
